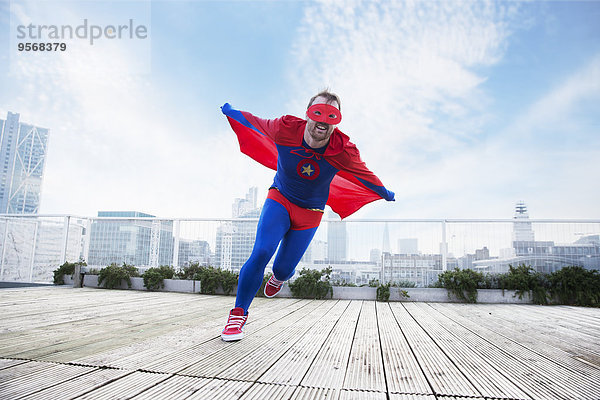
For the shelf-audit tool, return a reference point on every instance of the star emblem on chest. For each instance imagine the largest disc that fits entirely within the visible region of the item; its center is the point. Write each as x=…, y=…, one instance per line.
x=307, y=170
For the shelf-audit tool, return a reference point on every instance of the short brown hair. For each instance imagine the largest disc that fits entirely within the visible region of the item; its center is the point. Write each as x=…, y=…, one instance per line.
x=330, y=97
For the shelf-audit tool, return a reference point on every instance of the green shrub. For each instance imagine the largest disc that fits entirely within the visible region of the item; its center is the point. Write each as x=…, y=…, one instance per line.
x=188, y=272
x=383, y=292
x=210, y=279
x=154, y=277
x=462, y=282
x=66, y=269
x=344, y=283
x=524, y=279
x=572, y=285
x=228, y=281
x=576, y=286
x=312, y=284
x=113, y=275
x=166, y=271
x=374, y=283
x=491, y=281
x=404, y=284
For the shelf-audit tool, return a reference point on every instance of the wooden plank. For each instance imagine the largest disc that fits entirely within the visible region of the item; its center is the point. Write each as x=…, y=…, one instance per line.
x=26, y=384
x=229, y=353
x=405, y=396
x=175, y=361
x=261, y=391
x=174, y=388
x=7, y=362
x=275, y=344
x=487, y=380
x=539, y=377
x=202, y=327
x=315, y=393
x=78, y=386
x=403, y=372
x=293, y=365
x=361, y=395
x=23, y=369
x=443, y=376
x=567, y=354
x=126, y=387
x=329, y=367
x=549, y=325
x=218, y=389
x=365, y=366
x=39, y=344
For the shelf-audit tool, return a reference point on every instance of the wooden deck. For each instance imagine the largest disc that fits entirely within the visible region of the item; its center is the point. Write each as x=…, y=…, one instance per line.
x=65, y=343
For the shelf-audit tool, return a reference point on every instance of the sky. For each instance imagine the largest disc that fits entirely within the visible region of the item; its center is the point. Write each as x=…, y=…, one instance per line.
x=462, y=108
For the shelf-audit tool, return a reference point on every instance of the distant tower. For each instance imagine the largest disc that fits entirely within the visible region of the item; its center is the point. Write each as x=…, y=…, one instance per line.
x=243, y=206
x=22, y=155
x=385, y=247
x=235, y=239
x=522, y=231
x=408, y=246
x=336, y=239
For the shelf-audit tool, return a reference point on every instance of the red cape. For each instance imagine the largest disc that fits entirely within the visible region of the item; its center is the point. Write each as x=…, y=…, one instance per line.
x=353, y=186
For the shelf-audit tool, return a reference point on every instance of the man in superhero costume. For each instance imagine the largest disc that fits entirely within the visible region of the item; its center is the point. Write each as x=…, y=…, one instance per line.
x=316, y=164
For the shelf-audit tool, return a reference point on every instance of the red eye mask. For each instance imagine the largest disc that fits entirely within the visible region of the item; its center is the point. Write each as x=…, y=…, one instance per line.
x=325, y=113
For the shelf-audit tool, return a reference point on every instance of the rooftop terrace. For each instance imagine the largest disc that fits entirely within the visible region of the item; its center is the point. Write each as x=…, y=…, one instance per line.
x=65, y=343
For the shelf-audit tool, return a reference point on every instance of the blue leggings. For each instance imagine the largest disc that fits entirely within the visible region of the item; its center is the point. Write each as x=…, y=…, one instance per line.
x=273, y=227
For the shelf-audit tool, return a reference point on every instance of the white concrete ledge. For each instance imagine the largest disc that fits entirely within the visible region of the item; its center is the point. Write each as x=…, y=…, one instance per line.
x=437, y=295
x=171, y=285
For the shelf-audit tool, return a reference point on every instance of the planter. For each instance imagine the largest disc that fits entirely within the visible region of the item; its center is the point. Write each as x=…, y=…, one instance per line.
x=181, y=286
x=434, y=295
x=171, y=285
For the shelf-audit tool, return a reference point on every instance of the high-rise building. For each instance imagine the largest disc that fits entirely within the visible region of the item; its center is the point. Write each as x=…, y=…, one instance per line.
x=193, y=251
x=422, y=269
x=235, y=239
x=375, y=256
x=336, y=240
x=130, y=239
x=317, y=250
x=245, y=205
x=522, y=231
x=22, y=158
x=408, y=246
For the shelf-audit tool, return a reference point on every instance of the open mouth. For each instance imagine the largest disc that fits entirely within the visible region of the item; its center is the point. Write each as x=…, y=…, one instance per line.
x=322, y=127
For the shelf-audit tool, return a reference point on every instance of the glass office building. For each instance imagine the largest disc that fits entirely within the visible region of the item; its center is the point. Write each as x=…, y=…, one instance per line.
x=128, y=238
x=22, y=158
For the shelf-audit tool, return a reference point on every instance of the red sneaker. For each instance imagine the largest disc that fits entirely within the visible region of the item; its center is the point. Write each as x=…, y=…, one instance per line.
x=233, y=329
x=273, y=287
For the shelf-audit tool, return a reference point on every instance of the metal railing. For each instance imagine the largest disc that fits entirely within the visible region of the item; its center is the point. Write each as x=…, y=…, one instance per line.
x=358, y=250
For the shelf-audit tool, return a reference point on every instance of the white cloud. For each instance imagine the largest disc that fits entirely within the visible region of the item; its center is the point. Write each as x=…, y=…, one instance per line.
x=401, y=68
x=547, y=156
x=410, y=77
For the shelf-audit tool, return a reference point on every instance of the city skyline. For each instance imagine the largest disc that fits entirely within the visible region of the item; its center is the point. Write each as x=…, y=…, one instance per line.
x=358, y=251
x=461, y=108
